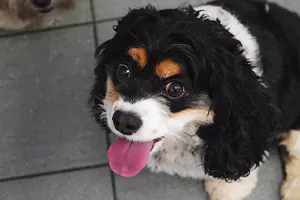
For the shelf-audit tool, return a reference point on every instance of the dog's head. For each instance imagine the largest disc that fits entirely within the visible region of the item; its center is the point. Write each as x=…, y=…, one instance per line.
x=167, y=73
x=30, y=8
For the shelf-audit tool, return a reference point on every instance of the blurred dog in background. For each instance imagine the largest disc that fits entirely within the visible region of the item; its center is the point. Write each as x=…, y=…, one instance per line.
x=19, y=14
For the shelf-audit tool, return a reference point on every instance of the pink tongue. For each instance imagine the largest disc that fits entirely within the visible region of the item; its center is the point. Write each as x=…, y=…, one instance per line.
x=128, y=158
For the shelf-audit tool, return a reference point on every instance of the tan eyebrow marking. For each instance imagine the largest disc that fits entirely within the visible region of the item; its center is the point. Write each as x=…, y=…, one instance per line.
x=203, y=114
x=139, y=55
x=167, y=68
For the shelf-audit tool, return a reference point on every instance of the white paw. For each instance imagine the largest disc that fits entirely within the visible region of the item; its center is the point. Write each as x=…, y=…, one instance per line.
x=221, y=190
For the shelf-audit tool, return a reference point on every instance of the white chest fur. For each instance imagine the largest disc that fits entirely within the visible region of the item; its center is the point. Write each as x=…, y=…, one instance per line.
x=176, y=158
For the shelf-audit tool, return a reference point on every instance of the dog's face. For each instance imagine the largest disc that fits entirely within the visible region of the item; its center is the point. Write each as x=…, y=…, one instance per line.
x=151, y=89
x=150, y=93
x=168, y=73
x=29, y=8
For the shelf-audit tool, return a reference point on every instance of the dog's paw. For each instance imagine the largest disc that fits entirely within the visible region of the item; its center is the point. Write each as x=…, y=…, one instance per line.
x=218, y=190
x=236, y=190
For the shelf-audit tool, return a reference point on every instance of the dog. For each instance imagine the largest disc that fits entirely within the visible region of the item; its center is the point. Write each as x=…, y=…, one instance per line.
x=19, y=14
x=203, y=92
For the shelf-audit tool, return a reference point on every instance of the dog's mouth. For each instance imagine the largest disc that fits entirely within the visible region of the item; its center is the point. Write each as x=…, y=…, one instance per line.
x=128, y=158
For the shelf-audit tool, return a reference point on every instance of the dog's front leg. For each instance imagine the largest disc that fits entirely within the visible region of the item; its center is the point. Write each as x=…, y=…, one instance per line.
x=290, y=189
x=236, y=190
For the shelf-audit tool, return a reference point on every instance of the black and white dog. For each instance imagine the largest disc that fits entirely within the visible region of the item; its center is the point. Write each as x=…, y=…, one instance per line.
x=200, y=92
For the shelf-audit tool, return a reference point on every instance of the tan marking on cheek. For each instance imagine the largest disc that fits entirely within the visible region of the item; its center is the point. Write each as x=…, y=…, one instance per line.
x=154, y=132
x=167, y=68
x=139, y=55
x=201, y=115
x=111, y=94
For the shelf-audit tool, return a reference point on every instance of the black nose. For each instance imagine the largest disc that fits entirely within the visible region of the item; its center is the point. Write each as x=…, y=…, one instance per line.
x=127, y=123
x=42, y=3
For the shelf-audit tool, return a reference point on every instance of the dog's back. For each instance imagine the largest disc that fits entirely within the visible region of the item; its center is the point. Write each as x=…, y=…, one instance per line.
x=277, y=32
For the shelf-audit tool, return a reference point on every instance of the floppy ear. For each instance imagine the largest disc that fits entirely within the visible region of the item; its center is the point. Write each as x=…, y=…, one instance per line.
x=98, y=91
x=244, y=117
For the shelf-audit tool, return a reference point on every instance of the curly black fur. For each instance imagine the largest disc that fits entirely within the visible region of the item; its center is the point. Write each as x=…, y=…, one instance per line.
x=247, y=114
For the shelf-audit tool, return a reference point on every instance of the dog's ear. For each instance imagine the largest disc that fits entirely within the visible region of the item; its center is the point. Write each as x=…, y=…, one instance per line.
x=244, y=118
x=99, y=88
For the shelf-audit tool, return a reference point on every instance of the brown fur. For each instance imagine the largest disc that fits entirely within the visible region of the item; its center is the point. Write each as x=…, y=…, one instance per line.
x=167, y=68
x=203, y=114
x=19, y=14
x=111, y=94
x=139, y=55
x=290, y=189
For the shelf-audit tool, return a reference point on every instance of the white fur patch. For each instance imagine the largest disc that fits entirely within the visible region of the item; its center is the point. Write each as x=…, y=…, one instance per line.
x=293, y=144
x=222, y=190
x=176, y=158
x=290, y=189
x=240, y=32
x=158, y=121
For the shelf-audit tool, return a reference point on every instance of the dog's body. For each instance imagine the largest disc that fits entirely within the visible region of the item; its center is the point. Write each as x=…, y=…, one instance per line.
x=210, y=86
x=19, y=14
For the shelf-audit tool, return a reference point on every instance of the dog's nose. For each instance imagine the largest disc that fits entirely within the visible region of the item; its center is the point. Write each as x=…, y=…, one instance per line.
x=127, y=123
x=42, y=3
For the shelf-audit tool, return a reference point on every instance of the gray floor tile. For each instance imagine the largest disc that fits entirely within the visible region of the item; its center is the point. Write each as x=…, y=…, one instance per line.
x=45, y=124
x=108, y=9
x=81, y=13
x=82, y=185
x=148, y=186
x=270, y=177
x=161, y=186
x=105, y=31
x=293, y=5
x=176, y=3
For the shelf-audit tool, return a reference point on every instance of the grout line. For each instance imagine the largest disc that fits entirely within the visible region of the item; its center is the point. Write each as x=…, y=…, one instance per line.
x=95, y=35
x=113, y=185
x=107, y=20
x=12, y=34
x=30, y=176
x=96, y=44
x=112, y=175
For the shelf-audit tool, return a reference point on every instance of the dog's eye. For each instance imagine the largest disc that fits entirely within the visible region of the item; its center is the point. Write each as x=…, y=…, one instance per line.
x=123, y=72
x=174, y=90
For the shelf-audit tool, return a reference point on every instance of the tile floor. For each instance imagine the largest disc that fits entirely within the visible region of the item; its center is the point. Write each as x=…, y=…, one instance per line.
x=50, y=148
